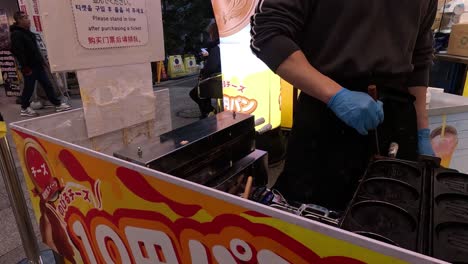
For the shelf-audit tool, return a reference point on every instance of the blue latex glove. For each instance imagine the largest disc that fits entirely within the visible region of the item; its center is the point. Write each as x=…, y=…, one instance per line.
x=357, y=110
x=424, y=142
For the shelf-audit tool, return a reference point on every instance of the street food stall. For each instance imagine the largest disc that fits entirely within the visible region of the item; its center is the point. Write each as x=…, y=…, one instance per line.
x=113, y=183
x=96, y=208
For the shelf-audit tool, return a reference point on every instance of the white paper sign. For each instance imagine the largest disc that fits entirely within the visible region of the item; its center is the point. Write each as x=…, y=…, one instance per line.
x=116, y=97
x=110, y=23
x=80, y=39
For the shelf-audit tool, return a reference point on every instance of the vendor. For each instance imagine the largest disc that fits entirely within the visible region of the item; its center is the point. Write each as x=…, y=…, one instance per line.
x=332, y=50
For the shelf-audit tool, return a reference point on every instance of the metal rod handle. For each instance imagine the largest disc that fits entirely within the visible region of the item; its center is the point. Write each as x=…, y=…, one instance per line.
x=18, y=203
x=372, y=91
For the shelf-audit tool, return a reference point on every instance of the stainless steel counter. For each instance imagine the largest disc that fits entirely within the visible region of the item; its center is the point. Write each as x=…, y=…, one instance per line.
x=445, y=104
x=452, y=58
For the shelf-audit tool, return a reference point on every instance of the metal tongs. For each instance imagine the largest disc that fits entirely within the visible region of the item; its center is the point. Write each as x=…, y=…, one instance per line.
x=394, y=147
x=309, y=211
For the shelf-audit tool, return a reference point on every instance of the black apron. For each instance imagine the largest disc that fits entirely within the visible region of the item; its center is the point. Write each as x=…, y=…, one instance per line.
x=326, y=158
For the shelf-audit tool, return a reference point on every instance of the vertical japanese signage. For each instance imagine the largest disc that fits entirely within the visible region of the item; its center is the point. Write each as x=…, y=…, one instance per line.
x=4, y=30
x=31, y=7
x=7, y=61
x=37, y=23
x=111, y=23
x=35, y=7
x=23, y=7
x=36, y=17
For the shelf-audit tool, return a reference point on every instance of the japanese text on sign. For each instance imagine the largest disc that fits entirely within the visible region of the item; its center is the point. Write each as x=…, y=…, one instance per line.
x=111, y=23
x=228, y=84
x=35, y=7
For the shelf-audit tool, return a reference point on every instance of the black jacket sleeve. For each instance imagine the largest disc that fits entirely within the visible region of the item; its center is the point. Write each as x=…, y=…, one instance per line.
x=276, y=26
x=19, y=50
x=423, y=53
x=213, y=63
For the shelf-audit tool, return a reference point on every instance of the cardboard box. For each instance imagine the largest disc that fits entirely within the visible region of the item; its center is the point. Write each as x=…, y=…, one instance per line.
x=440, y=4
x=458, y=43
x=437, y=21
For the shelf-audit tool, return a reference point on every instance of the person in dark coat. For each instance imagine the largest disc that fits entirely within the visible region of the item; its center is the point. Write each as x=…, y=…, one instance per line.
x=26, y=50
x=212, y=66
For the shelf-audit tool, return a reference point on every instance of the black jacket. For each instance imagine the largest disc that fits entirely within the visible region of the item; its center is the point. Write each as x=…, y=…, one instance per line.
x=213, y=63
x=24, y=47
x=348, y=39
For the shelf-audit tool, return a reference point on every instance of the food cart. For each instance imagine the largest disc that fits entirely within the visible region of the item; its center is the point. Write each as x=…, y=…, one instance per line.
x=95, y=208
x=102, y=195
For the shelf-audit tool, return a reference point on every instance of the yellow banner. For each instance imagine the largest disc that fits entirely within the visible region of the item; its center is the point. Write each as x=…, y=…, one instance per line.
x=95, y=211
x=3, y=129
x=465, y=88
x=287, y=105
x=250, y=87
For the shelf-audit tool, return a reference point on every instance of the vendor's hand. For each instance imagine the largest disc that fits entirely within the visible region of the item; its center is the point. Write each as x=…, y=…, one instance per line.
x=27, y=71
x=357, y=110
x=205, y=53
x=424, y=142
